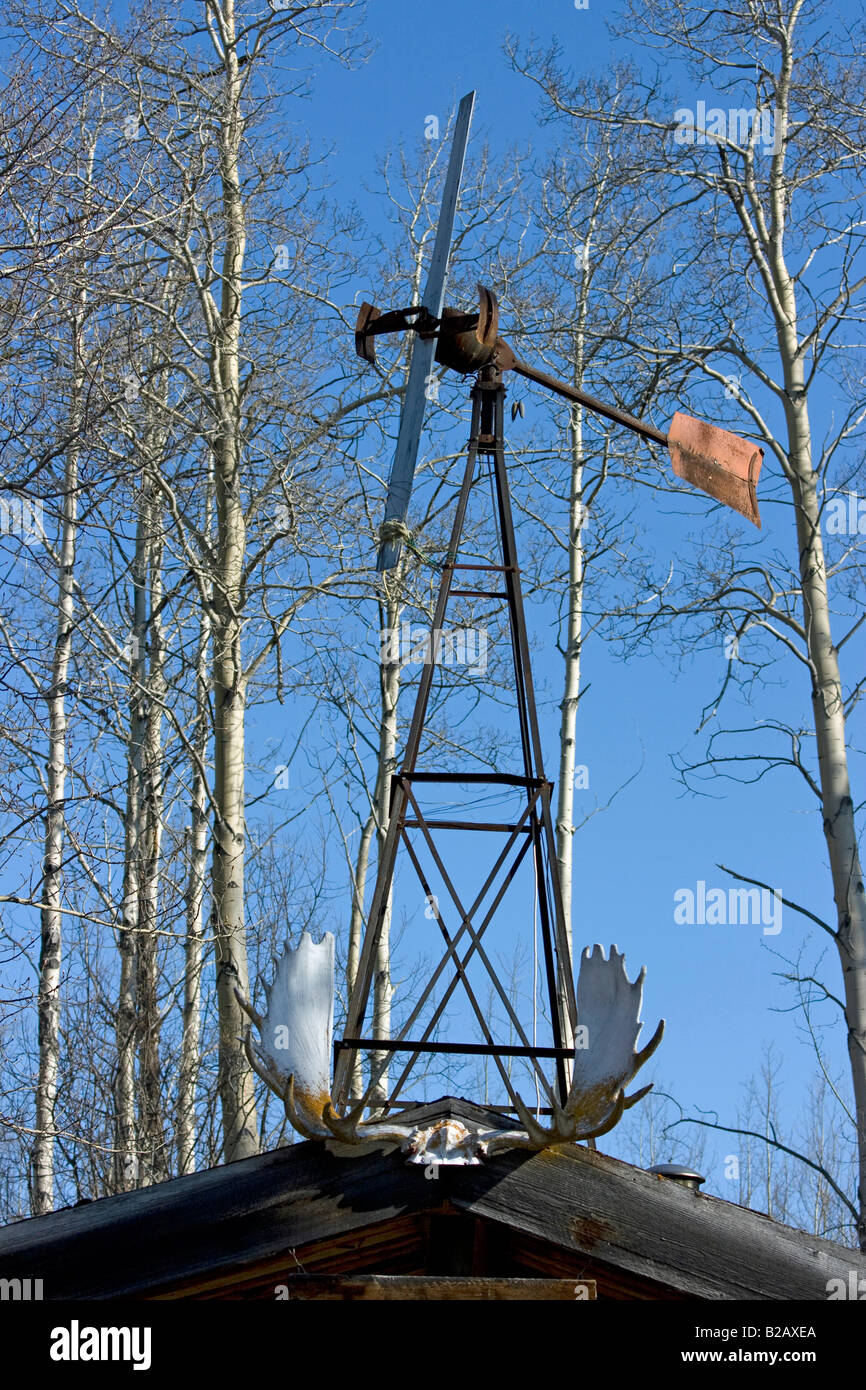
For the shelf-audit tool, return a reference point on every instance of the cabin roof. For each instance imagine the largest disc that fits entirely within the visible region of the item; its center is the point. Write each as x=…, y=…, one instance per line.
x=243, y=1228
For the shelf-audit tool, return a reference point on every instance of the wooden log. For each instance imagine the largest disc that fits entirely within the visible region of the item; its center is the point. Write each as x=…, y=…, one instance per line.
x=367, y=1287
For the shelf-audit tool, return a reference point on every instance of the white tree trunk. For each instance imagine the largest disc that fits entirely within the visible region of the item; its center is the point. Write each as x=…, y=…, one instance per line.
x=356, y=933
x=828, y=704
x=574, y=639
x=154, y=1165
x=571, y=682
x=840, y=831
x=55, y=820
x=237, y=1095
x=197, y=840
x=126, y=1161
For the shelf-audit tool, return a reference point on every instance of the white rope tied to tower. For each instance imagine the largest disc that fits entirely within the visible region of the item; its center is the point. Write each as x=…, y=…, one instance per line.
x=394, y=530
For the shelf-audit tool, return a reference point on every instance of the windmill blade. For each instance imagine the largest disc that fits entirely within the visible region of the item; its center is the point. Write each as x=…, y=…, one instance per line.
x=423, y=353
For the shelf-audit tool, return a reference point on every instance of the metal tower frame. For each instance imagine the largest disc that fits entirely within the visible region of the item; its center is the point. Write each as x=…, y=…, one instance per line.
x=531, y=834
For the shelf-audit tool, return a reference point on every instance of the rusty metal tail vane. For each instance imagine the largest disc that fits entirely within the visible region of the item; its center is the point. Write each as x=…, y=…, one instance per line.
x=721, y=464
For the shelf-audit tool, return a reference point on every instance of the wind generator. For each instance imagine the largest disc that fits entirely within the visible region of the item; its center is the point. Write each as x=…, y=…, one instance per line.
x=582, y=1074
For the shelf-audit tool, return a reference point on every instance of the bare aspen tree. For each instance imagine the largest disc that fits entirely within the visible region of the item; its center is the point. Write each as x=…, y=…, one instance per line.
x=182, y=179
x=386, y=764
x=151, y=1127
x=59, y=235
x=197, y=842
x=55, y=816
x=141, y=1145
x=127, y=1165
x=225, y=88
x=75, y=290
x=227, y=922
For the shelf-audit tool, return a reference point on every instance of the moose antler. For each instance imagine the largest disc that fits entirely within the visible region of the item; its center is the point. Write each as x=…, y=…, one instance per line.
x=605, y=1060
x=351, y=1128
x=293, y=1058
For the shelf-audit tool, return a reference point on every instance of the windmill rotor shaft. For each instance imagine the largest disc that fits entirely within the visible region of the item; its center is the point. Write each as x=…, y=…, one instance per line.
x=571, y=393
x=468, y=342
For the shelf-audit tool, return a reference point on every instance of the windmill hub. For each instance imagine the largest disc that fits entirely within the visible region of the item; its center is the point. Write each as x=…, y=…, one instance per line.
x=462, y=351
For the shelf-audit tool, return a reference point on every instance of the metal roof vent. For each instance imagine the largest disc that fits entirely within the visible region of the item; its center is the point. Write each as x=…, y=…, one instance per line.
x=687, y=1177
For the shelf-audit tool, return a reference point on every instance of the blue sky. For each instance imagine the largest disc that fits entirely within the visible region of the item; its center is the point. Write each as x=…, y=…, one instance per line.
x=428, y=54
